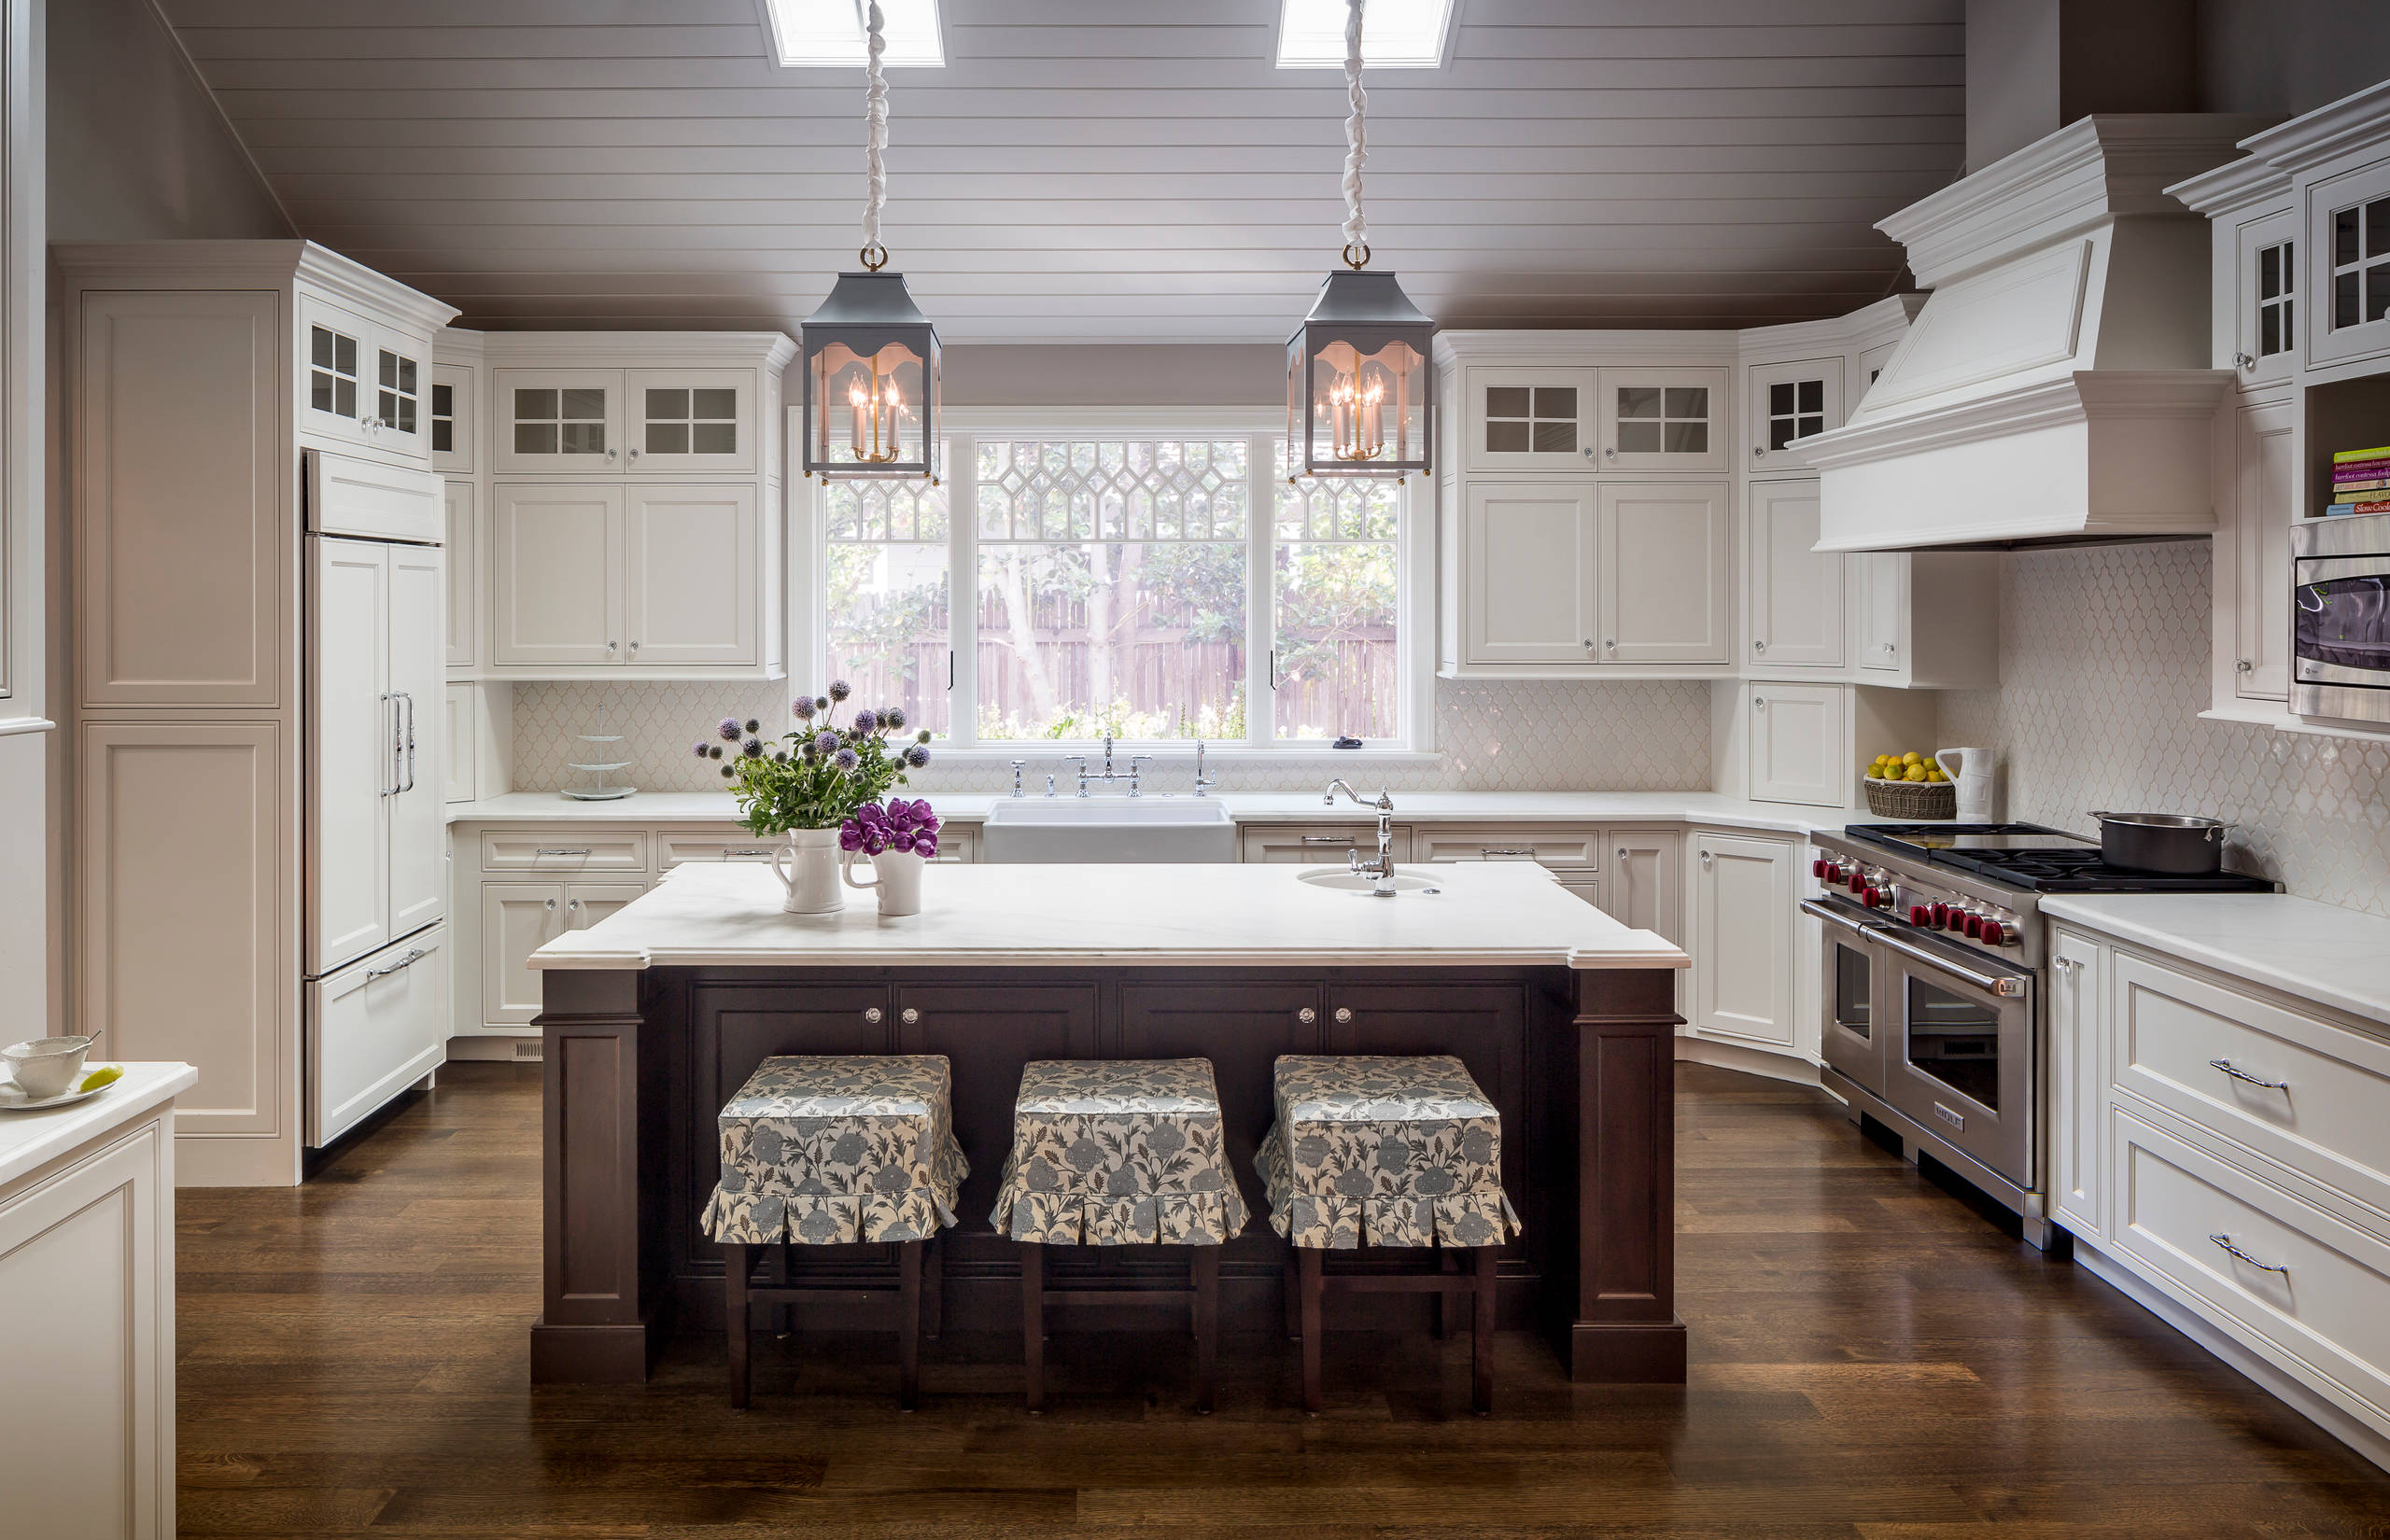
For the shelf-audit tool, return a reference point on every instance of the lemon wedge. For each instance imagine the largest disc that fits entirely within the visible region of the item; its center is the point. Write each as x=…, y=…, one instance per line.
x=106, y=1075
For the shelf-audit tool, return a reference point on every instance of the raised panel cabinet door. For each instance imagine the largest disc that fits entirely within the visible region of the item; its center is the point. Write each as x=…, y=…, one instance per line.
x=2267, y=474
x=1665, y=570
x=517, y=919
x=551, y=420
x=1882, y=601
x=1531, y=590
x=88, y=1254
x=459, y=734
x=2265, y=298
x=2348, y=244
x=449, y=414
x=418, y=579
x=557, y=575
x=335, y=373
x=184, y=502
x=464, y=549
x=1743, y=939
x=1528, y=418
x=359, y=743
x=681, y=420
x=1645, y=886
x=2078, y=1082
x=1785, y=404
x=586, y=904
x=1664, y=419
x=691, y=570
x=1796, y=592
x=185, y=949
x=1795, y=735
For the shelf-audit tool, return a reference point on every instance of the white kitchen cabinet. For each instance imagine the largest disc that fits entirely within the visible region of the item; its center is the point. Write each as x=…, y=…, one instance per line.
x=374, y=1029
x=1527, y=418
x=2266, y=304
x=1664, y=566
x=586, y=904
x=1926, y=620
x=463, y=739
x=2348, y=243
x=692, y=420
x=1662, y=419
x=363, y=382
x=1644, y=886
x=2077, y=1081
x=558, y=420
x=464, y=552
x=1785, y=403
x=666, y=419
x=1799, y=738
x=1742, y=939
x=1312, y=845
x=557, y=574
x=1796, y=594
x=2265, y=499
x=683, y=544
x=1882, y=586
x=517, y=918
x=1530, y=571
x=451, y=412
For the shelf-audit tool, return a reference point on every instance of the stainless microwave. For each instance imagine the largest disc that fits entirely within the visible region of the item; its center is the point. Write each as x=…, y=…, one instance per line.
x=2340, y=617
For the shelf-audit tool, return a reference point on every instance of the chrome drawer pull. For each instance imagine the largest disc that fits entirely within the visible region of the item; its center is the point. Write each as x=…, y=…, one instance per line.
x=2240, y=1256
x=536, y=854
x=1489, y=852
x=750, y=851
x=414, y=954
x=1327, y=839
x=2238, y=1074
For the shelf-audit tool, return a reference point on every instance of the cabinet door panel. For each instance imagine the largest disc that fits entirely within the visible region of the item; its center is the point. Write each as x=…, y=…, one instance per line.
x=1788, y=403
x=2348, y=245
x=691, y=568
x=1797, y=732
x=1529, y=419
x=464, y=551
x=358, y=746
x=2078, y=1082
x=558, y=575
x=517, y=918
x=1531, y=574
x=1882, y=601
x=1664, y=569
x=374, y=1028
x=399, y=422
x=450, y=414
x=1743, y=939
x=2266, y=298
x=1796, y=592
x=418, y=821
x=460, y=734
x=335, y=372
x=681, y=420
x=1646, y=881
x=1664, y=419
x=2267, y=490
x=551, y=420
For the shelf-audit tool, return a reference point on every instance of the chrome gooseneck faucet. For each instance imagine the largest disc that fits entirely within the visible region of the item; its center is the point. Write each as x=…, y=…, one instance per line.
x=1381, y=871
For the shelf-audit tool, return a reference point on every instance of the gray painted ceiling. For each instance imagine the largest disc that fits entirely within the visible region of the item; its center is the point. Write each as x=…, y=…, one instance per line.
x=1103, y=170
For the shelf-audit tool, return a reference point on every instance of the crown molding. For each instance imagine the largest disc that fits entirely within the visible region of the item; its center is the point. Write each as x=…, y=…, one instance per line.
x=566, y=349
x=2360, y=120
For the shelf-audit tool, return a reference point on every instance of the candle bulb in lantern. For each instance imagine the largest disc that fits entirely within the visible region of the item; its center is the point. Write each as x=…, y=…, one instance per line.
x=856, y=398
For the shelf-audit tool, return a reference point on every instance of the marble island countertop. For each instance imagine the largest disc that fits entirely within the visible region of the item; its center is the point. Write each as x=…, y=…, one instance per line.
x=1501, y=914
x=1492, y=807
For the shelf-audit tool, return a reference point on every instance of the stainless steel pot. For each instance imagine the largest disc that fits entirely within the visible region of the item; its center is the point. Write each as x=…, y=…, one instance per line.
x=2176, y=844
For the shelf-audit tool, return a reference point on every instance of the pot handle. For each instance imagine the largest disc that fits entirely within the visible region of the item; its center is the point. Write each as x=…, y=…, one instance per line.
x=847, y=870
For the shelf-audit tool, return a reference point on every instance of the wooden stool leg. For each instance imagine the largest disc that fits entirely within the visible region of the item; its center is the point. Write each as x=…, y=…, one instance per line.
x=1290, y=1292
x=1033, y=1321
x=908, y=1326
x=735, y=1259
x=1480, y=1333
x=1206, y=1265
x=1447, y=1318
x=934, y=1287
x=1307, y=1258
x=783, y=1269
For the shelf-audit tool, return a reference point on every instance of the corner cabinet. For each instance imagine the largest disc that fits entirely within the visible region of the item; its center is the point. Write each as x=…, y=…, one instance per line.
x=631, y=488
x=1583, y=575
x=1742, y=939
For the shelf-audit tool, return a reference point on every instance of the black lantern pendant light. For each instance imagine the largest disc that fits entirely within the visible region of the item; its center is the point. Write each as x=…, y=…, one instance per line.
x=871, y=357
x=1360, y=380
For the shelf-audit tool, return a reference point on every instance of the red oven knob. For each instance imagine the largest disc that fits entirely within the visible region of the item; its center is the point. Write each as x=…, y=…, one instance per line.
x=1919, y=914
x=1941, y=915
x=1994, y=934
x=1858, y=882
x=1818, y=867
x=1975, y=927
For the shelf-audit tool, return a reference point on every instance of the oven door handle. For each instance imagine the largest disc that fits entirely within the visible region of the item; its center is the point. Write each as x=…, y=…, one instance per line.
x=2003, y=985
x=1835, y=916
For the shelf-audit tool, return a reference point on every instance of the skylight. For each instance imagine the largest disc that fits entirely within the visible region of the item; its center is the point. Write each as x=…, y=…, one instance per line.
x=817, y=34
x=1394, y=35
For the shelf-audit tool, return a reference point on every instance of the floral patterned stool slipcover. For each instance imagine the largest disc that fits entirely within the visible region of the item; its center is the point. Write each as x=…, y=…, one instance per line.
x=829, y=1150
x=1374, y=1150
x=1118, y=1153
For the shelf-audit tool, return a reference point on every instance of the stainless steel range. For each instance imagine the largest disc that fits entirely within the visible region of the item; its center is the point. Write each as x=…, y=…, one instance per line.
x=1935, y=987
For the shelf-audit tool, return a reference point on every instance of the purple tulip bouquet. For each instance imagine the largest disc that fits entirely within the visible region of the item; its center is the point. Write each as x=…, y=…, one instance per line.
x=903, y=827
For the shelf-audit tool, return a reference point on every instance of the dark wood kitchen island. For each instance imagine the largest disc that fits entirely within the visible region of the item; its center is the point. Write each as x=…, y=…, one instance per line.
x=654, y=1015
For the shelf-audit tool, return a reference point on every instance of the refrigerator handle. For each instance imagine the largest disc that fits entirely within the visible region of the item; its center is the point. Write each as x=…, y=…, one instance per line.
x=408, y=695
x=390, y=699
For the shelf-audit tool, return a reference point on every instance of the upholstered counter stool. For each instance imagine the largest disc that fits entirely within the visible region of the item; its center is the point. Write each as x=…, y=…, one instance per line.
x=1380, y=1151
x=827, y=1151
x=1118, y=1153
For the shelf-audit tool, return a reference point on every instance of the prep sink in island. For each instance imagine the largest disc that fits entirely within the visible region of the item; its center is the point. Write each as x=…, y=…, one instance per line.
x=655, y=1015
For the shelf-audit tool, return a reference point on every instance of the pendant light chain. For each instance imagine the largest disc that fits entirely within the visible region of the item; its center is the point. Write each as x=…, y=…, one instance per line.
x=1357, y=151
x=875, y=256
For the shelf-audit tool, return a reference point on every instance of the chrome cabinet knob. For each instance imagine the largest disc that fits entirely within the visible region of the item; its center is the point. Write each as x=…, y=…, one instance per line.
x=551, y=904
x=2245, y=360
x=573, y=903
x=2243, y=665
x=873, y=1014
x=1589, y=644
x=1610, y=643
x=1758, y=646
x=909, y=1016
x=1306, y=1016
x=1610, y=454
x=1759, y=703
x=1759, y=452
x=1343, y=1015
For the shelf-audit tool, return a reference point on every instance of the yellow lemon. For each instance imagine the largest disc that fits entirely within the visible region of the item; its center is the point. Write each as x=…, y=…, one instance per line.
x=1934, y=775
x=1915, y=772
x=1912, y=757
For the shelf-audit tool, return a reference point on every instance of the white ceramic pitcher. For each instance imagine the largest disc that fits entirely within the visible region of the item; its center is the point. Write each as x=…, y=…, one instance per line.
x=896, y=876
x=812, y=875
x=1970, y=772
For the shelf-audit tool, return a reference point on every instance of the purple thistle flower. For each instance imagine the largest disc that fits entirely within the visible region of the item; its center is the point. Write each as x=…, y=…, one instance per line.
x=894, y=718
x=726, y=772
x=866, y=721
x=728, y=728
x=753, y=726
x=846, y=759
x=826, y=743
x=821, y=702
x=922, y=736
x=803, y=708
x=713, y=752
x=704, y=750
x=917, y=756
x=840, y=690
x=752, y=748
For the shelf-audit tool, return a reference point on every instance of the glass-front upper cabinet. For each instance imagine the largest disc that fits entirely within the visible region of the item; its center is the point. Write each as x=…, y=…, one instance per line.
x=1529, y=419
x=1662, y=419
x=559, y=419
x=2349, y=245
x=1786, y=404
x=2266, y=310
x=401, y=382
x=361, y=384
x=691, y=419
x=449, y=413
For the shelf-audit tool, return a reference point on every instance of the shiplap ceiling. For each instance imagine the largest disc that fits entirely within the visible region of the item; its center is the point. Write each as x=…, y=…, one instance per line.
x=1099, y=170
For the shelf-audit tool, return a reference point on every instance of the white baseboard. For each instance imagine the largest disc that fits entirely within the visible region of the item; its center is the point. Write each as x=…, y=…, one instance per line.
x=1750, y=1061
x=236, y=1160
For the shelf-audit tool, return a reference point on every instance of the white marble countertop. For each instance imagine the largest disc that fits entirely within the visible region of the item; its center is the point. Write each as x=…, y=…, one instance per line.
x=1501, y=913
x=2334, y=957
x=1705, y=807
x=28, y=1140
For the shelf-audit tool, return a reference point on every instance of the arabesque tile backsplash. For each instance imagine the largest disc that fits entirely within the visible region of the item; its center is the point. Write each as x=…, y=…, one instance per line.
x=1495, y=736
x=2103, y=673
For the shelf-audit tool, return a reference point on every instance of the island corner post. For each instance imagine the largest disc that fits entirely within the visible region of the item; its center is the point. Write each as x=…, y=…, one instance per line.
x=636, y=1061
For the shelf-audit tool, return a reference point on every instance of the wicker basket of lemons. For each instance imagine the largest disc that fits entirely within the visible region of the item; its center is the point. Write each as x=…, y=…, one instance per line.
x=1910, y=786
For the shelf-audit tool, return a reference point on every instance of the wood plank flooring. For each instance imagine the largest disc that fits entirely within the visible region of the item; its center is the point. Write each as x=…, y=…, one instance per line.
x=1870, y=1358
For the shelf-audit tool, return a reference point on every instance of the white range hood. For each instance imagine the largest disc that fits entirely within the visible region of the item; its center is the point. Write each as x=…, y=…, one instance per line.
x=2055, y=385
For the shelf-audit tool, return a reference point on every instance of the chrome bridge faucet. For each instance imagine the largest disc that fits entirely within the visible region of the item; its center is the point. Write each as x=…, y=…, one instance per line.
x=1381, y=871
x=1133, y=775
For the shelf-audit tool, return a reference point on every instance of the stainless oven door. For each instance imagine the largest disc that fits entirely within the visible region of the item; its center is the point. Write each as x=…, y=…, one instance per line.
x=1853, y=978
x=1958, y=1030
x=2340, y=620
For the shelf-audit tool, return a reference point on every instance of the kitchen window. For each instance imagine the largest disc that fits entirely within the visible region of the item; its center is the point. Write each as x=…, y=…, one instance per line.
x=1153, y=584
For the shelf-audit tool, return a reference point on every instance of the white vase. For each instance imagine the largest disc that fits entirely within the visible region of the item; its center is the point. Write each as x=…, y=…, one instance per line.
x=896, y=876
x=812, y=875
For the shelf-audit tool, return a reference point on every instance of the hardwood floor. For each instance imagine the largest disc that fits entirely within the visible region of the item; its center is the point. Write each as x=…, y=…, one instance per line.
x=1870, y=1358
